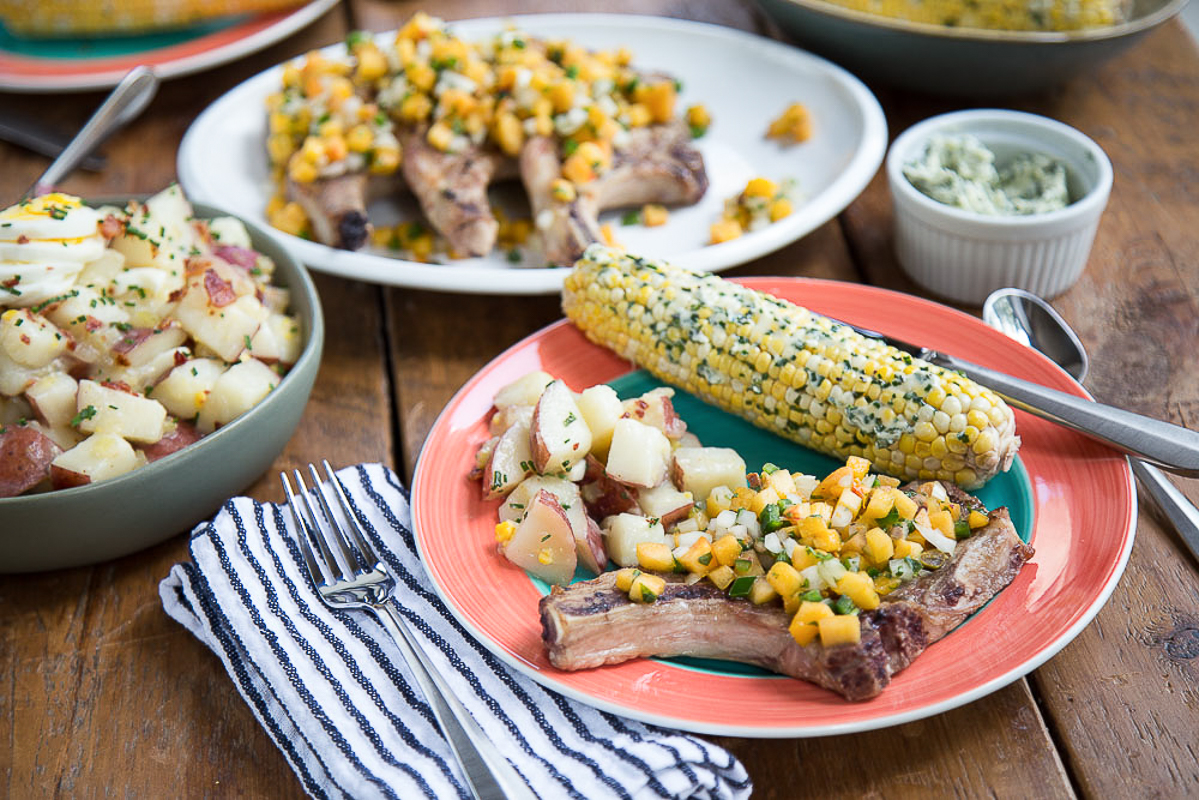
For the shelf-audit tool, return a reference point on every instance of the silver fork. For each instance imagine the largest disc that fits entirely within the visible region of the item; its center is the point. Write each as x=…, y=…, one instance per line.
x=348, y=574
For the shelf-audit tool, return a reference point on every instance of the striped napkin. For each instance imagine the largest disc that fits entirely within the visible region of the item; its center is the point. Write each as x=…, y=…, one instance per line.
x=336, y=697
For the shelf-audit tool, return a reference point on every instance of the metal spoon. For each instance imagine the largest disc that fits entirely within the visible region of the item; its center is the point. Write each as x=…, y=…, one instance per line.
x=1031, y=321
x=125, y=102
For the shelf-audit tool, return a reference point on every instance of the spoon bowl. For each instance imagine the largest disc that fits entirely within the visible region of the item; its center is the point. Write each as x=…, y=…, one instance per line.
x=1028, y=319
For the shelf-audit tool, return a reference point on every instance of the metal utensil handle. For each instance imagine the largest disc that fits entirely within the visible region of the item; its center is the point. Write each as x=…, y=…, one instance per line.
x=1169, y=446
x=1173, y=503
x=488, y=773
x=129, y=97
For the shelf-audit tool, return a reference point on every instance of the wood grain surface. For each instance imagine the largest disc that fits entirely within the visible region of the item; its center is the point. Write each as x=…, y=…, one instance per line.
x=105, y=695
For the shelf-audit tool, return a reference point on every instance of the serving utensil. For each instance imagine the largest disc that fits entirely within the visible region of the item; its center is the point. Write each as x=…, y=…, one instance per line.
x=1167, y=445
x=1031, y=321
x=348, y=574
x=125, y=102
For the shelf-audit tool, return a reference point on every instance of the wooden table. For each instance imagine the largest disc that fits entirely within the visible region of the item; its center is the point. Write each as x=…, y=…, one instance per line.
x=103, y=693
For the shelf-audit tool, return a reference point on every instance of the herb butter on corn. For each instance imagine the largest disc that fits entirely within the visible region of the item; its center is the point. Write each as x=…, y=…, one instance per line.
x=786, y=369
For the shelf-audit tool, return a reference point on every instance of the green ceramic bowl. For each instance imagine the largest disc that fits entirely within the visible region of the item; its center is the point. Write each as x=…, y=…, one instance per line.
x=88, y=524
x=958, y=61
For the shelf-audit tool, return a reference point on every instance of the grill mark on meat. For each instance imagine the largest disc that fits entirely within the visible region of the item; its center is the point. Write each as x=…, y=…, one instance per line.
x=591, y=623
x=336, y=208
x=452, y=191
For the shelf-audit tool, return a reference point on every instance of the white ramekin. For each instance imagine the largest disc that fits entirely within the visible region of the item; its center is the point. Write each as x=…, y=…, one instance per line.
x=964, y=256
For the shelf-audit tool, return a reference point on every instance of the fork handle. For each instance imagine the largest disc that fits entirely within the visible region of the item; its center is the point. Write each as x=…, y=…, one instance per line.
x=488, y=773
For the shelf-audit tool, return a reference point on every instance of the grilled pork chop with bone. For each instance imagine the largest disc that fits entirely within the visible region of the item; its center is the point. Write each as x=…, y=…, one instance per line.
x=591, y=623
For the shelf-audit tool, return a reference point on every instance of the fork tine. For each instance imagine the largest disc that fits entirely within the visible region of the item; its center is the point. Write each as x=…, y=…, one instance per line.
x=336, y=562
x=316, y=567
x=356, y=531
x=336, y=534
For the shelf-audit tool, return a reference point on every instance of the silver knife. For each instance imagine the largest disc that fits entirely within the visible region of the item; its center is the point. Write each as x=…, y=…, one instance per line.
x=1164, y=444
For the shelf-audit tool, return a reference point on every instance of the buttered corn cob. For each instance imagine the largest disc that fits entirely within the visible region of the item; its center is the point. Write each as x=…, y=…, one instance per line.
x=791, y=371
x=76, y=17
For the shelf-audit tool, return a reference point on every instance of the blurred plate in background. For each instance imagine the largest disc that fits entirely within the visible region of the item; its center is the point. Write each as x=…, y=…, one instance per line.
x=77, y=64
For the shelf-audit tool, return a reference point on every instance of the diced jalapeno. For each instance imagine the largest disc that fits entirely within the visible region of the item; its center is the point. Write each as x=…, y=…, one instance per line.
x=740, y=586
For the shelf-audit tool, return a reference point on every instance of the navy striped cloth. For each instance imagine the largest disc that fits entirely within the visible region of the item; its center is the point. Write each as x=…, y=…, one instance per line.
x=333, y=692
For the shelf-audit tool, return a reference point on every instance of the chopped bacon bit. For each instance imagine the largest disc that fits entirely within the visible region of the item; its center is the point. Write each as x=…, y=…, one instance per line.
x=111, y=227
x=120, y=386
x=220, y=291
x=176, y=295
x=180, y=358
x=22, y=239
x=93, y=324
x=132, y=338
x=11, y=282
x=25, y=338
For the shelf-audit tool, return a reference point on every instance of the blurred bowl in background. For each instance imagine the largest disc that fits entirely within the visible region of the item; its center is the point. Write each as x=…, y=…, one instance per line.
x=946, y=60
x=963, y=255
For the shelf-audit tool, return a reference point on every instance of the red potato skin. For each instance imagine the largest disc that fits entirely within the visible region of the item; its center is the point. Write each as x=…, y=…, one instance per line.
x=672, y=424
x=541, y=451
x=591, y=550
x=67, y=479
x=184, y=434
x=25, y=456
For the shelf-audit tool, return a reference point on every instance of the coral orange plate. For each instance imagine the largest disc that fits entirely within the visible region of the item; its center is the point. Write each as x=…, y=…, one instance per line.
x=1081, y=519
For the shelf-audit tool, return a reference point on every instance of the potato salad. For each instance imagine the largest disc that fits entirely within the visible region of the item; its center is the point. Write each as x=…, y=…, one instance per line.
x=127, y=333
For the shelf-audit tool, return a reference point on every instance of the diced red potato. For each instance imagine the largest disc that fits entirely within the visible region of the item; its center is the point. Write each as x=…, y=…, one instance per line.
x=277, y=340
x=559, y=436
x=590, y=547
x=25, y=457
x=511, y=461
x=524, y=391
x=623, y=532
x=30, y=339
x=185, y=389
x=543, y=542
x=92, y=320
x=15, y=379
x=591, y=550
x=180, y=436
x=53, y=398
x=139, y=346
x=601, y=408
x=236, y=391
x=147, y=289
x=103, y=409
x=216, y=317
x=655, y=408
x=98, y=457
x=639, y=454
x=505, y=417
x=147, y=375
x=701, y=469
x=689, y=439
x=605, y=497
x=665, y=502
x=101, y=271
x=482, y=456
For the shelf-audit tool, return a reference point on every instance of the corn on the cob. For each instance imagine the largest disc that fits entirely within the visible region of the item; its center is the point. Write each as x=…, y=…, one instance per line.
x=791, y=371
x=80, y=17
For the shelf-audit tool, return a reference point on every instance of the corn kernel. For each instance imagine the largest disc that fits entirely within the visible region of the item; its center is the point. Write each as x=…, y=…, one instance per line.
x=504, y=531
